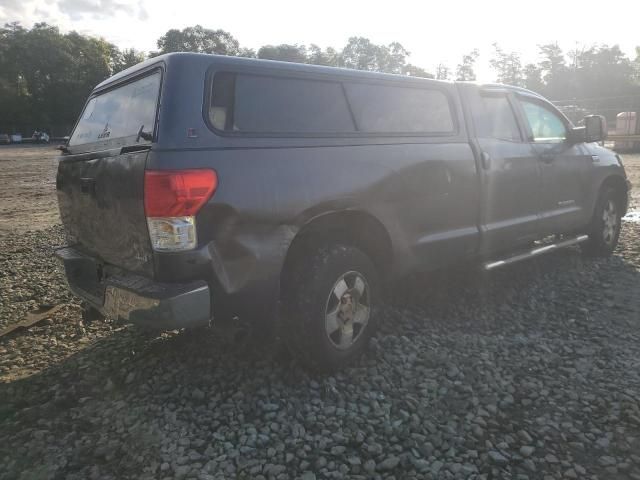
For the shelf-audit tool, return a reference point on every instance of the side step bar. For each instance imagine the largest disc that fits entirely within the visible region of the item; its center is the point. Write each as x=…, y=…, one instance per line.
x=535, y=252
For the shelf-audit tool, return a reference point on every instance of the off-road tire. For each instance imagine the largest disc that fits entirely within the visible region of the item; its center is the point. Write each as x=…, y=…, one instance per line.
x=601, y=243
x=305, y=301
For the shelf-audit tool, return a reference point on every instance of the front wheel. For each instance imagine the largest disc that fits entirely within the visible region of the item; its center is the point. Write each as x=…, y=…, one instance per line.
x=330, y=304
x=604, y=230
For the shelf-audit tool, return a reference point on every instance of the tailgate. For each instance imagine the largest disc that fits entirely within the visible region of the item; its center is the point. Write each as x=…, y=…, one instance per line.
x=100, y=181
x=102, y=208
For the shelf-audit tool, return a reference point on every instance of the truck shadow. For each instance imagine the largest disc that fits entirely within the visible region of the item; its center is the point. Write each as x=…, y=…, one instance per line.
x=561, y=285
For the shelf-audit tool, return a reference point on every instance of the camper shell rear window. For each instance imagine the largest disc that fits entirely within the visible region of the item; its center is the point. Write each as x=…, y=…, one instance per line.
x=120, y=116
x=241, y=103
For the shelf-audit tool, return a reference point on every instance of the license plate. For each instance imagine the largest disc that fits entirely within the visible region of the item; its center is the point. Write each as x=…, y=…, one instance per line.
x=119, y=303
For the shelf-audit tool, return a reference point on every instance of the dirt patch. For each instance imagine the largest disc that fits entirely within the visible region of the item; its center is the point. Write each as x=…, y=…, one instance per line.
x=27, y=188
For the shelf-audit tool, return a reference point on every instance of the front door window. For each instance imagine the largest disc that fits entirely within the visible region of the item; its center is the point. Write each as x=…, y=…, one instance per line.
x=546, y=126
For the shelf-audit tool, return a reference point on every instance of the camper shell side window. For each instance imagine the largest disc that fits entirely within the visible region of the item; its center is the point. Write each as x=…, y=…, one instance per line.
x=273, y=105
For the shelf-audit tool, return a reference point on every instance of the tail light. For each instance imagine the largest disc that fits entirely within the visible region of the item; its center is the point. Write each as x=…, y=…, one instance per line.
x=172, y=198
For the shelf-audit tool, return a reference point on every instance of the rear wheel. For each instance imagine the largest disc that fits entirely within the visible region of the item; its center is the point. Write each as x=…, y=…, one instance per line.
x=330, y=303
x=604, y=230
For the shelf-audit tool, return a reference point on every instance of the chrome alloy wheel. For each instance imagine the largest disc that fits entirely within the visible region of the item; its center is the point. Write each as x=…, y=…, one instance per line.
x=610, y=222
x=347, y=310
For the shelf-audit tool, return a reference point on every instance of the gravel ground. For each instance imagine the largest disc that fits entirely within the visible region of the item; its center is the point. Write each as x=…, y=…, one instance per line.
x=530, y=372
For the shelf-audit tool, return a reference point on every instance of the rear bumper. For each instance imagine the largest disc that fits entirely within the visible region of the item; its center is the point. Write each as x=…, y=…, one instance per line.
x=134, y=299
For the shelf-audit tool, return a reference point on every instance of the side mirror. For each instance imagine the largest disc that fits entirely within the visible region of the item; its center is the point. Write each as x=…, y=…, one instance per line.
x=595, y=128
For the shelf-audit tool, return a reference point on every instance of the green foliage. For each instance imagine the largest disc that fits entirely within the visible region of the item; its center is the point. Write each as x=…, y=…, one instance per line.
x=442, y=72
x=553, y=65
x=359, y=53
x=284, y=53
x=329, y=57
x=598, y=79
x=200, y=40
x=603, y=70
x=413, y=71
x=46, y=76
x=533, y=77
x=507, y=65
x=465, y=71
x=596, y=72
x=126, y=58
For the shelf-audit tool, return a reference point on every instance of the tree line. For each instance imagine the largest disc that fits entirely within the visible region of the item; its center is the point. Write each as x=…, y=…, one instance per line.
x=46, y=75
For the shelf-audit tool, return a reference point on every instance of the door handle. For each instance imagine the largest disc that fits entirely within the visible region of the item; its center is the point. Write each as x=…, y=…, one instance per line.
x=486, y=160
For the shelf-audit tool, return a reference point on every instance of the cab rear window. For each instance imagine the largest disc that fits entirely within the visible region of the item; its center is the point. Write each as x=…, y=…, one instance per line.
x=123, y=115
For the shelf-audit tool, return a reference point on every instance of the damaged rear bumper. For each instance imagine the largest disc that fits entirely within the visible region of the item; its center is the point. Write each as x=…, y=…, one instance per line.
x=134, y=299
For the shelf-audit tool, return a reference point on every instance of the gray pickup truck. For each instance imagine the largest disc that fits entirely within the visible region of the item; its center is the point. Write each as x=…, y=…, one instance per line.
x=199, y=189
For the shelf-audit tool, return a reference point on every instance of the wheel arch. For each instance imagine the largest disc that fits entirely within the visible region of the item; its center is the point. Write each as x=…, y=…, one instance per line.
x=353, y=227
x=619, y=185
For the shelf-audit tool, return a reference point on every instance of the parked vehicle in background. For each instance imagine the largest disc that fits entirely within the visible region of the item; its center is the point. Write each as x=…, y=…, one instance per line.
x=16, y=138
x=267, y=190
x=40, y=137
x=4, y=139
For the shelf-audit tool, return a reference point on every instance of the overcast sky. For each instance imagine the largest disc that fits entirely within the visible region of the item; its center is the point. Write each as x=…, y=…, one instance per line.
x=434, y=32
